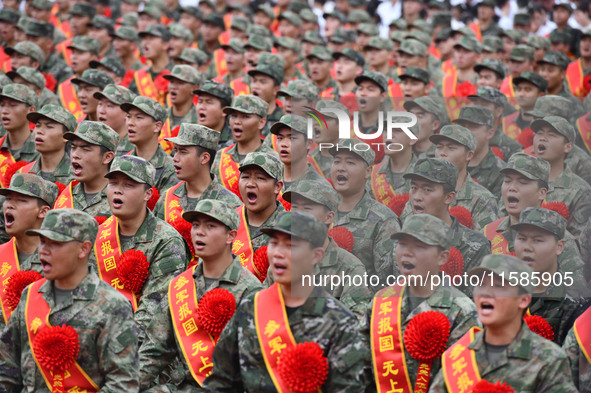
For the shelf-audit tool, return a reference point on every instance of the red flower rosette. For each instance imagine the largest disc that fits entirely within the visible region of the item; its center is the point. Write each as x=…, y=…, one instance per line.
x=60, y=186
x=286, y=205
x=215, y=309
x=56, y=348
x=558, y=207
x=183, y=227
x=342, y=237
x=100, y=219
x=152, y=201
x=526, y=138
x=397, y=203
x=132, y=269
x=462, y=214
x=539, y=325
x=425, y=339
x=483, y=386
x=16, y=285
x=587, y=85
x=497, y=152
x=303, y=367
x=455, y=263
x=11, y=170
x=465, y=89
x=261, y=262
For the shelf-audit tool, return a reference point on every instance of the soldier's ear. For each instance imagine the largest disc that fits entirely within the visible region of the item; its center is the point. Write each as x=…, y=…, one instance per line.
x=43, y=211
x=317, y=255
x=524, y=301
x=442, y=257
x=148, y=194
x=84, y=250
x=567, y=147
x=560, y=247
x=231, y=235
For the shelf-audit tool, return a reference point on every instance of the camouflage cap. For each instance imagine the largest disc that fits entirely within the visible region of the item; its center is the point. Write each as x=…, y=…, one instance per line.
x=379, y=43
x=501, y=264
x=442, y=35
x=67, y=225
x=136, y=168
x=244, y=8
x=436, y=170
x=370, y=29
x=156, y=31
x=291, y=17
x=342, y=36
x=299, y=89
x=538, y=42
x=358, y=16
x=320, y=52
x=489, y=94
x=353, y=146
x=551, y=105
x=420, y=36
x=130, y=19
x=192, y=55
x=270, y=65
x=20, y=93
x=429, y=105
x=191, y=10
x=236, y=44
x=545, y=219
x=476, y=115
x=427, y=229
x=514, y=35
x=399, y=24
x=218, y=210
x=267, y=10
x=521, y=20
x=560, y=37
x=294, y=122
x=492, y=44
x=151, y=10
x=555, y=58
x=196, y=135
x=301, y=225
x=33, y=186
x=83, y=9
x=325, y=106
x=495, y=66
x=102, y=22
x=437, y=4
x=216, y=89
x=469, y=43
x=522, y=52
x=558, y=124
x=259, y=42
x=96, y=133
x=442, y=18
x=126, y=33
x=55, y=113
x=313, y=37
x=37, y=28
x=307, y=15
x=111, y=63
x=417, y=73
x=315, y=190
x=248, y=103
x=85, y=44
x=336, y=14
x=148, y=105
x=412, y=47
x=266, y=161
x=9, y=15
x=533, y=78
x=185, y=73
x=422, y=25
x=289, y=43
x=94, y=77
x=23, y=22
x=29, y=74
x=27, y=48
x=531, y=167
x=456, y=133
x=134, y=2
x=4, y=80
x=116, y=94
x=373, y=76
x=255, y=29
x=351, y=54
x=180, y=31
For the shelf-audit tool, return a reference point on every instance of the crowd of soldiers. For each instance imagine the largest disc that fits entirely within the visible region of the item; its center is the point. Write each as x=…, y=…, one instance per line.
x=162, y=165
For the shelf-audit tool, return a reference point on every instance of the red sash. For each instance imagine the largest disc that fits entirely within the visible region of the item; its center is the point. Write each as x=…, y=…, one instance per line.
x=6, y=159
x=396, y=96
x=584, y=128
x=433, y=51
x=448, y=66
x=582, y=329
x=574, y=78
x=239, y=87
x=381, y=188
x=166, y=132
x=197, y=345
x=145, y=84
x=507, y=87
x=107, y=251
x=273, y=331
x=37, y=318
x=172, y=207
x=219, y=59
x=459, y=366
x=8, y=266
x=66, y=52
x=242, y=245
x=510, y=128
x=69, y=98
x=453, y=104
x=475, y=27
x=327, y=94
x=498, y=243
x=66, y=199
x=387, y=344
x=228, y=169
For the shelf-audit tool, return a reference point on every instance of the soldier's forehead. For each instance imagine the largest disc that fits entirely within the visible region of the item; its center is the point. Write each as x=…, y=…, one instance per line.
x=529, y=229
x=347, y=154
x=513, y=174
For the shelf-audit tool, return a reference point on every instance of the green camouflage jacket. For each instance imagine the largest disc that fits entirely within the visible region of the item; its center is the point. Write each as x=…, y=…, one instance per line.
x=190, y=117
x=479, y=201
x=124, y=146
x=580, y=163
x=233, y=151
x=325, y=163
x=48, y=97
x=165, y=175
x=488, y=174
x=395, y=179
x=579, y=365
x=98, y=206
x=506, y=144
x=57, y=66
x=62, y=173
x=26, y=153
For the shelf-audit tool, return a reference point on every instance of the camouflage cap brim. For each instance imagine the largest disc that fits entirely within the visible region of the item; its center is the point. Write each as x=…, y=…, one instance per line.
x=177, y=77
x=522, y=173
x=245, y=167
x=131, y=176
x=424, y=239
x=361, y=78
x=436, y=138
x=180, y=141
x=51, y=235
x=73, y=135
x=77, y=81
x=429, y=178
x=127, y=106
x=34, y=117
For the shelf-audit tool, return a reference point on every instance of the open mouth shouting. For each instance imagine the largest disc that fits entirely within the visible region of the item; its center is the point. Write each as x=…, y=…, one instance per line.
x=486, y=308
x=341, y=179
x=252, y=197
x=77, y=168
x=117, y=203
x=512, y=202
x=279, y=268
x=199, y=245
x=45, y=265
x=418, y=208
x=8, y=219
x=540, y=149
x=406, y=267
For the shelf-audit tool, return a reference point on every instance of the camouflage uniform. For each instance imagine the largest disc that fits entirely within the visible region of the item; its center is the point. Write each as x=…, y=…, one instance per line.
x=331, y=88
x=21, y=93
x=163, y=246
x=371, y=224
x=97, y=134
x=238, y=361
x=188, y=74
x=165, y=175
x=130, y=34
x=324, y=162
x=27, y=48
x=584, y=241
x=35, y=77
x=161, y=348
x=457, y=307
x=530, y=363
x=225, y=95
x=579, y=364
x=156, y=31
x=118, y=95
x=100, y=315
